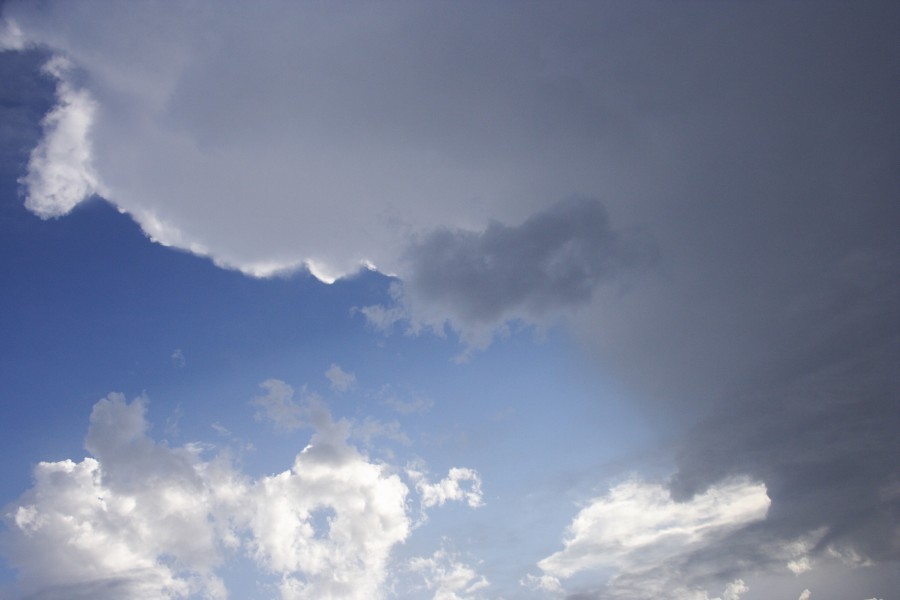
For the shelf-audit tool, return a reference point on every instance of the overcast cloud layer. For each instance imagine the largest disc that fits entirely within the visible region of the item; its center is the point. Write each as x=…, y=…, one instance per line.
x=704, y=193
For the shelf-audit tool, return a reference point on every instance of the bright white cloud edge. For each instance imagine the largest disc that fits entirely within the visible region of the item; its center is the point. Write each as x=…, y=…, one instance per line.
x=139, y=519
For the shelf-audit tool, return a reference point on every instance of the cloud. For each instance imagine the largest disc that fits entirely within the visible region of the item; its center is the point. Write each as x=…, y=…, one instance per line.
x=178, y=360
x=475, y=282
x=102, y=526
x=449, y=488
x=805, y=595
x=414, y=404
x=341, y=380
x=279, y=407
x=347, y=556
x=649, y=539
x=425, y=142
x=448, y=577
x=139, y=519
x=60, y=170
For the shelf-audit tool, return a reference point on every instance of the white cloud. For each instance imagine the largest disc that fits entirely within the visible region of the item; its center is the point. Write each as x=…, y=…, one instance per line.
x=448, y=577
x=805, y=595
x=638, y=530
x=102, y=527
x=449, y=488
x=346, y=553
x=340, y=379
x=60, y=169
x=141, y=520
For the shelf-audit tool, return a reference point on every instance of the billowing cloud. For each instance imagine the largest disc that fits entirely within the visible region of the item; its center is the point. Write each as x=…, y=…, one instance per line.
x=450, y=488
x=102, y=527
x=139, y=519
x=649, y=539
x=346, y=554
x=751, y=141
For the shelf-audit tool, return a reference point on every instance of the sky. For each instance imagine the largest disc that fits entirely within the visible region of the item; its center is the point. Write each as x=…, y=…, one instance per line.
x=432, y=300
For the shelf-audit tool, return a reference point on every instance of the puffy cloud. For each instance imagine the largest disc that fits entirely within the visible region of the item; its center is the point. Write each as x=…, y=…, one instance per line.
x=60, y=170
x=449, y=488
x=346, y=554
x=639, y=530
x=139, y=519
x=805, y=595
x=131, y=522
x=341, y=380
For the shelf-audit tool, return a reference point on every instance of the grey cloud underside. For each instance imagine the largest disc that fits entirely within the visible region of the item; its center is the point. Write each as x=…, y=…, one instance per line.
x=554, y=260
x=756, y=143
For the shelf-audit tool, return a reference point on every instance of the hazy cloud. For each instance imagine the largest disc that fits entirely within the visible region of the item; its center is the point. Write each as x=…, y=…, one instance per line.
x=448, y=577
x=341, y=380
x=476, y=281
x=279, y=407
x=178, y=360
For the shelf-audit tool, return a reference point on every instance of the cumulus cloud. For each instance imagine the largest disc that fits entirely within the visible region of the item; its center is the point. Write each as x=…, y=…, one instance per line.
x=649, y=539
x=347, y=557
x=103, y=527
x=805, y=595
x=139, y=519
x=450, y=488
x=298, y=135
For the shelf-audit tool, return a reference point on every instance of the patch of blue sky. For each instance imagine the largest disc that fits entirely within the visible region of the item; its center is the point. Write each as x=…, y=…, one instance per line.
x=90, y=306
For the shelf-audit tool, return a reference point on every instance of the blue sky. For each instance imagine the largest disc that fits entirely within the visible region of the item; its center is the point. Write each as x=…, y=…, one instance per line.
x=465, y=301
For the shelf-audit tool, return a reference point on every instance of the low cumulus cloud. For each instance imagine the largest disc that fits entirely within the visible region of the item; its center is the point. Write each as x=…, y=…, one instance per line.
x=460, y=484
x=139, y=519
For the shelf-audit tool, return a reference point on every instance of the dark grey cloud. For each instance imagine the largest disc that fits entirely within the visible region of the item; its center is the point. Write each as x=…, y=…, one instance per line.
x=552, y=261
x=770, y=336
